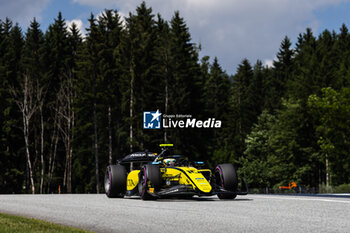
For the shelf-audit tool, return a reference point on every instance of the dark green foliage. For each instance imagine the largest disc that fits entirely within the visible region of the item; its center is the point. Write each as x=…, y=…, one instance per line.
x=185, y=70
x=244, y=105
x=87, y=106
x=261, y=166
x=280, y=124
x=11, y=137
x=294, y=145
x=282, y=74
x=343, y=188
x=141, y=39
x=33, y=47
x=185, y=84
x=302, y=139
x=217, y=90
x=304, y=76
x=331, y=114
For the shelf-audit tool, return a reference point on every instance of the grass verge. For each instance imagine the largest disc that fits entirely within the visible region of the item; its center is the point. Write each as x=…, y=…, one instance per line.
x=10, y=224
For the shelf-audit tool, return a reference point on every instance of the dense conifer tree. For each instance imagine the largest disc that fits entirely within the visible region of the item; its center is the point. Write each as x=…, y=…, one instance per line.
x=243, y=108
x=282, y=74
x=186, y=82
x=279, y=124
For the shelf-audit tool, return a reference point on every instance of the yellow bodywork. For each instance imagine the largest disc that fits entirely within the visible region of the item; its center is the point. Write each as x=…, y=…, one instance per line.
x=183, y=175
x=132, y=180
x=191, y=176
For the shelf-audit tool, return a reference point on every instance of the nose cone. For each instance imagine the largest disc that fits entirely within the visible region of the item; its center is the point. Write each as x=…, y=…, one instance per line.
x=199, y=180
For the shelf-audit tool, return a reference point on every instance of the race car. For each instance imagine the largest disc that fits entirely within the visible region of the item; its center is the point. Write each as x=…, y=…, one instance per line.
x=151, y=176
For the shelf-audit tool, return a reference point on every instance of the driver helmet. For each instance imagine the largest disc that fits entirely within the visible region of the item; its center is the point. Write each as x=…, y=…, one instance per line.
x=169, y=162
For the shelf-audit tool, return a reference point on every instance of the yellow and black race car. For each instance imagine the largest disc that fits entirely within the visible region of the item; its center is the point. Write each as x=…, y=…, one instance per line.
x=151, y=176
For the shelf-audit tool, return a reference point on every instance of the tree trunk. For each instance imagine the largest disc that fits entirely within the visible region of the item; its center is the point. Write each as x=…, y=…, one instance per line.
x=42, y=150
x=52, y=169
x=53, y=149
x=96, y=150
x=71, y=139
x=327, y=171
x=26, y=139
x=319, y=178
x=69, y=165
x=131, y=104
x=66, y=125
x=69, y=132
x=35, y=155
x=65, y=174
x=110, y=152
x=27, y=104
x=166, y=103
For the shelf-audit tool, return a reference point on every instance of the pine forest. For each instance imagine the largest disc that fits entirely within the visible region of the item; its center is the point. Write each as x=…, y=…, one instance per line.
x=71, y=104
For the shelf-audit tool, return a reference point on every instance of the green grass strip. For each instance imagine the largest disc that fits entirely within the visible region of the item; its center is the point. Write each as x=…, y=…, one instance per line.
x=10, y=224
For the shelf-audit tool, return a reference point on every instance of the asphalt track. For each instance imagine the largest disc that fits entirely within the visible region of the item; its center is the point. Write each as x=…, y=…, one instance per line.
x=251, y=213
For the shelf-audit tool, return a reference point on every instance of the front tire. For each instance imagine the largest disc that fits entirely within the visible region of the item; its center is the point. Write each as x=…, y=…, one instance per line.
x=115, y=181
x=149, y=176
x=226, y=177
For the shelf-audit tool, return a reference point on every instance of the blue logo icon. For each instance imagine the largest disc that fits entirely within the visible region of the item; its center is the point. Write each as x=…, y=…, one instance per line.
x=151, y=120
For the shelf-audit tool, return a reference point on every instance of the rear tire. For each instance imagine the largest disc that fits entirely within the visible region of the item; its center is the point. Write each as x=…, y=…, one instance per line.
x=149, y=174
x=226, y=177
x=115, y=181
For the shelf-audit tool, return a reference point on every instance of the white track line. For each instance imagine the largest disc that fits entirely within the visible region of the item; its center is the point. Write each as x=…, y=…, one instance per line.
x=304, y=199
